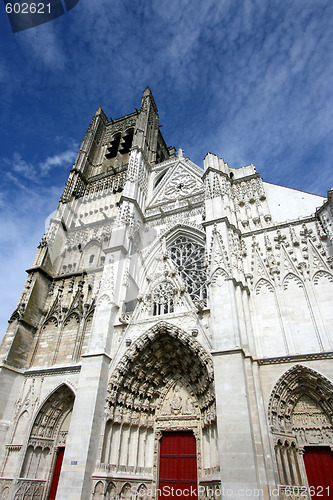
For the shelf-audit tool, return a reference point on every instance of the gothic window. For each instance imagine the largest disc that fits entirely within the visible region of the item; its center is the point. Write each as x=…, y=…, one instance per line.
x=163, y=298
x=189, y=257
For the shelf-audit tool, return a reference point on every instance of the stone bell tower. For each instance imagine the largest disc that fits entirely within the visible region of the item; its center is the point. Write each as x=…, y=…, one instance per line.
x=59, y=337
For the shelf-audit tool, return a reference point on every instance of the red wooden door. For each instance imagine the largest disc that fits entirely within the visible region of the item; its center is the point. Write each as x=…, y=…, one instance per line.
x=178, y=466
x=318, y=462
x=56, y=474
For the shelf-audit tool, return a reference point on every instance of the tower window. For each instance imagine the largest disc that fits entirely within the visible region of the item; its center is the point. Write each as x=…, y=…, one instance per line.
x=126, y=142
x=91, y=259
x=112, y=149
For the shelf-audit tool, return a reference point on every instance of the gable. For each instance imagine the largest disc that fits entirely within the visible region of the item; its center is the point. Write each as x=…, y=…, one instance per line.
x=183, y=180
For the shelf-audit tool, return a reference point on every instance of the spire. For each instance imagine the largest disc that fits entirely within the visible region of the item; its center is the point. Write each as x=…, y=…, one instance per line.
x=147, y=91
x=100, y=112
x=148, y=96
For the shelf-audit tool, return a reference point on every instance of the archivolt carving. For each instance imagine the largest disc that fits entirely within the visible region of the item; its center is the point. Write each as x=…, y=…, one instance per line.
x=73, y=315
x=296, y=387
x=151, y=362
x=49, y=416
x=48, y=432
x=300, y=412
x=51, y=320
x=164, y=382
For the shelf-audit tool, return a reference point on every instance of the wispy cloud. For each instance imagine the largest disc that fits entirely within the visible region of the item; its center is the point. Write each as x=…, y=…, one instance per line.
x=36, y=171
x=58, y=160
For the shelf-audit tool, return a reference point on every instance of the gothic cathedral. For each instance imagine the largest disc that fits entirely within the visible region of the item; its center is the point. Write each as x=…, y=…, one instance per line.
x=174, y=335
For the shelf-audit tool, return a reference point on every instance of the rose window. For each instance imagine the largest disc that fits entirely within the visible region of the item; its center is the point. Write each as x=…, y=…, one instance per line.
x=189, y=257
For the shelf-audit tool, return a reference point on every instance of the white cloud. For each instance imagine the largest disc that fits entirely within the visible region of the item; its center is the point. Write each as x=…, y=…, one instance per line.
x=58, y=160
x=34, y=172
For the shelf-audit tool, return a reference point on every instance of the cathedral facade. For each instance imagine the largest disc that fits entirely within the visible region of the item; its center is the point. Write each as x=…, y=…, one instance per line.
x=174, y=335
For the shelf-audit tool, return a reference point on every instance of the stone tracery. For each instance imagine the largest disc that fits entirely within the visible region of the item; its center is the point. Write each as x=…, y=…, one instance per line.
x=163, y=298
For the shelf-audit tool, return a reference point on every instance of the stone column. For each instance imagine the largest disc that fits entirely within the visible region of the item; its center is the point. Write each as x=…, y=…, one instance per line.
x=84, y=431
x=236, y=443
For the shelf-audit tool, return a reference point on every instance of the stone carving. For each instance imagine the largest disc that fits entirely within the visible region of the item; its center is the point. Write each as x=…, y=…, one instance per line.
x=178, y=401
x=108, y=184
x=160, y=353
x=310, y=424
x=5, y=493
x=181, y=184
x=142, y=492
x=263, y=286
x=292, y=280
x=107, y=282
x=29, y=489
x=295, y=383
x=300, y=412
x=163, y=298
x=132, y=169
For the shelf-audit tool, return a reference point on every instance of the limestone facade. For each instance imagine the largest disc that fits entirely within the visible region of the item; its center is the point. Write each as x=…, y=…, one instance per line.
x=165, y=297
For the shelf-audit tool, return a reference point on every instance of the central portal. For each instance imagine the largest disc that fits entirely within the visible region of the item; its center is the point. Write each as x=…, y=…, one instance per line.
x=178, y=466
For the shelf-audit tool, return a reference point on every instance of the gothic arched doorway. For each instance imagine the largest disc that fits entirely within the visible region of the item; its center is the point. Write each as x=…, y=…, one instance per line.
x=42, y=463
x=300, y=412
x=162, y=385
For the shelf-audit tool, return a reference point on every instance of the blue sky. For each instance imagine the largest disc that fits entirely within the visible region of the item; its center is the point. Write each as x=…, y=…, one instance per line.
x=249, y=80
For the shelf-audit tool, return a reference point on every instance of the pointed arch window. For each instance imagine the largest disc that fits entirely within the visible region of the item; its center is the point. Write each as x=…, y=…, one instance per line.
x=189, y=257
x=163, y=298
